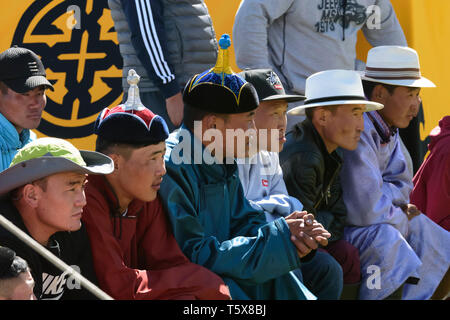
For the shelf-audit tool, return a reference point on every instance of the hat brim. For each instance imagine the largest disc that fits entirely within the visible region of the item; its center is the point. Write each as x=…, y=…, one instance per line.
x=284, y=97
x=22, y=85
x=416, y=83
x=34, y=169
x=370, y=106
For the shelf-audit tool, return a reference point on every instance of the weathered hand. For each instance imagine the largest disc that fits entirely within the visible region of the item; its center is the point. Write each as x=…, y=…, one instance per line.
x=300, y=229
x=410, y=210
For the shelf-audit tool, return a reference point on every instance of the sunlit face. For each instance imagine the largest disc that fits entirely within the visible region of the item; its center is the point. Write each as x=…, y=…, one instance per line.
x=238, y=132
x=401, y=106
x=140, y=176
x=271, y=118
x=23, y=110
x=343, y=127
x=60, y=206
x=24, y=285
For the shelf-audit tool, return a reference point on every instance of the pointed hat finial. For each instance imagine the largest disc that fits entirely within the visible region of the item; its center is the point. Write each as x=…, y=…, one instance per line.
x=223, y=59
x=133, y=100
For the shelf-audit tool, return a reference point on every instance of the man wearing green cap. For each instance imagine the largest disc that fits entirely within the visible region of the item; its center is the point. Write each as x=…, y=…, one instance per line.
x=213, y=222
x=42, y=193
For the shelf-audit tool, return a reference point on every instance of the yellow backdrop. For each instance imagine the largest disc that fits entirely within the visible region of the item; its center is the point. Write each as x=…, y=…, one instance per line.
x=83, y=59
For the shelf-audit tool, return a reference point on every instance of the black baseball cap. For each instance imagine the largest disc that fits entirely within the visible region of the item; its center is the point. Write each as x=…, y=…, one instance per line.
x=268, y=85
x=22, y=70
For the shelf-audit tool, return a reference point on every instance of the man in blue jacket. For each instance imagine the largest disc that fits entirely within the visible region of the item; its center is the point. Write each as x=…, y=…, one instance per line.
x=213, y=222
x=22, y=100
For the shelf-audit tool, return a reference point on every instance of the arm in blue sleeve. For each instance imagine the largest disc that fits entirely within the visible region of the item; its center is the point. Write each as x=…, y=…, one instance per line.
x=372, y=196
x=266, y=254
x=145, y=19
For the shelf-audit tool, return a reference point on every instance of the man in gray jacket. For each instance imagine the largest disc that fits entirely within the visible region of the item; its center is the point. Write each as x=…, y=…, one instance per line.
x=297, y=38
x=166, y=42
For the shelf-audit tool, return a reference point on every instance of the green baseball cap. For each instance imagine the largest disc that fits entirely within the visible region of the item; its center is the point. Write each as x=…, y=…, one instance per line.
x=47, y=156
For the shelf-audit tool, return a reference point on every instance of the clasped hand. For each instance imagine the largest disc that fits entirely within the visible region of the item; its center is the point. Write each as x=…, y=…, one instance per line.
x=306, y=232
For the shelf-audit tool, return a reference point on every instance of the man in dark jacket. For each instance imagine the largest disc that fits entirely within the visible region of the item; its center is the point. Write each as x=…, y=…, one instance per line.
x=43, y=194
x=311, y=162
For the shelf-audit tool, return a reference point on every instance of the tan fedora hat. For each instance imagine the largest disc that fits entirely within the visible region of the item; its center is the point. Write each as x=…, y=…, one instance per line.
x=334, y=87
x=394, y=65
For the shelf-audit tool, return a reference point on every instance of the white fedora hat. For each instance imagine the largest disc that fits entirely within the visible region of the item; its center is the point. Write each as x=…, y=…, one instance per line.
x=334, y=87
x=395, y=65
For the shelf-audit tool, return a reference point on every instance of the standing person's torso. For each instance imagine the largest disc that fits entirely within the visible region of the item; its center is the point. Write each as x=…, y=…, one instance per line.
x=191, y=41
x=312, y=36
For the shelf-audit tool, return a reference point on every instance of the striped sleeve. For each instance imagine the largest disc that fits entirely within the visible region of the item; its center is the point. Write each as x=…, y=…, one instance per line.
x=145, y=19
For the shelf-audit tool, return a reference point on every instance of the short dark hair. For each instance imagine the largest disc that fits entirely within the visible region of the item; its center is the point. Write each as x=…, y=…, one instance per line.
x=124, y=149
x=369, y=86
x=3, y=88
x=309, y=112
x=17, y=267
x=16, y=194
x=192, y=114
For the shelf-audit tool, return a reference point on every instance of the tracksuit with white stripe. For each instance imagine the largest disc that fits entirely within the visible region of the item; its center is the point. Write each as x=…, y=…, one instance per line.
x=166, y=42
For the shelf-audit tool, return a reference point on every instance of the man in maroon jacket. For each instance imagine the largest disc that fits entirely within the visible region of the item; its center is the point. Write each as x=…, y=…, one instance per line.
x=431, y=193
x=135, y=253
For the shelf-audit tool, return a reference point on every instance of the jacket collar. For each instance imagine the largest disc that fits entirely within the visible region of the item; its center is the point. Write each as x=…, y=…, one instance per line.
x=10, y=134
x=307, y=128
x=100, y=183
x=385, y=131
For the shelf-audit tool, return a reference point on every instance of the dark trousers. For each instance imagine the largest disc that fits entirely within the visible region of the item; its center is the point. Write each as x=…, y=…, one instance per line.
x=348, y=257
x=322, y=275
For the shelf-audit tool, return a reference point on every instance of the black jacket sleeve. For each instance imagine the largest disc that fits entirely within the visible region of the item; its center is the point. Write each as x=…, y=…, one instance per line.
x=303, y=175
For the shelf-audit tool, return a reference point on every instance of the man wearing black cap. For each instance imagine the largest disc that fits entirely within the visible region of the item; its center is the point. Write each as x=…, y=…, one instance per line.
x=213, y=222
x=135, y=254
x=22, y=99
x=16, y=281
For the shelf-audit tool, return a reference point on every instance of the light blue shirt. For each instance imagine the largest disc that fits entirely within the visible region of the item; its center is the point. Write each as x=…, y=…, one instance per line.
x=11, y=141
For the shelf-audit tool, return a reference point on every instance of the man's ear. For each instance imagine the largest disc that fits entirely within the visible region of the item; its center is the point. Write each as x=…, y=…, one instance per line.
x=31, y=194
x=322, y=115
x=118, y=160
x=379, y=94
x=210, y=122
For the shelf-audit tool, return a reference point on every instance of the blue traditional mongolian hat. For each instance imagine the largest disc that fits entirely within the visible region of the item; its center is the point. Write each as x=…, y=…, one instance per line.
x=219, y=89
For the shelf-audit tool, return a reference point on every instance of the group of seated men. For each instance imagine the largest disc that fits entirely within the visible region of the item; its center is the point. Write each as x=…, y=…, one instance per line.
x=230, y=206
